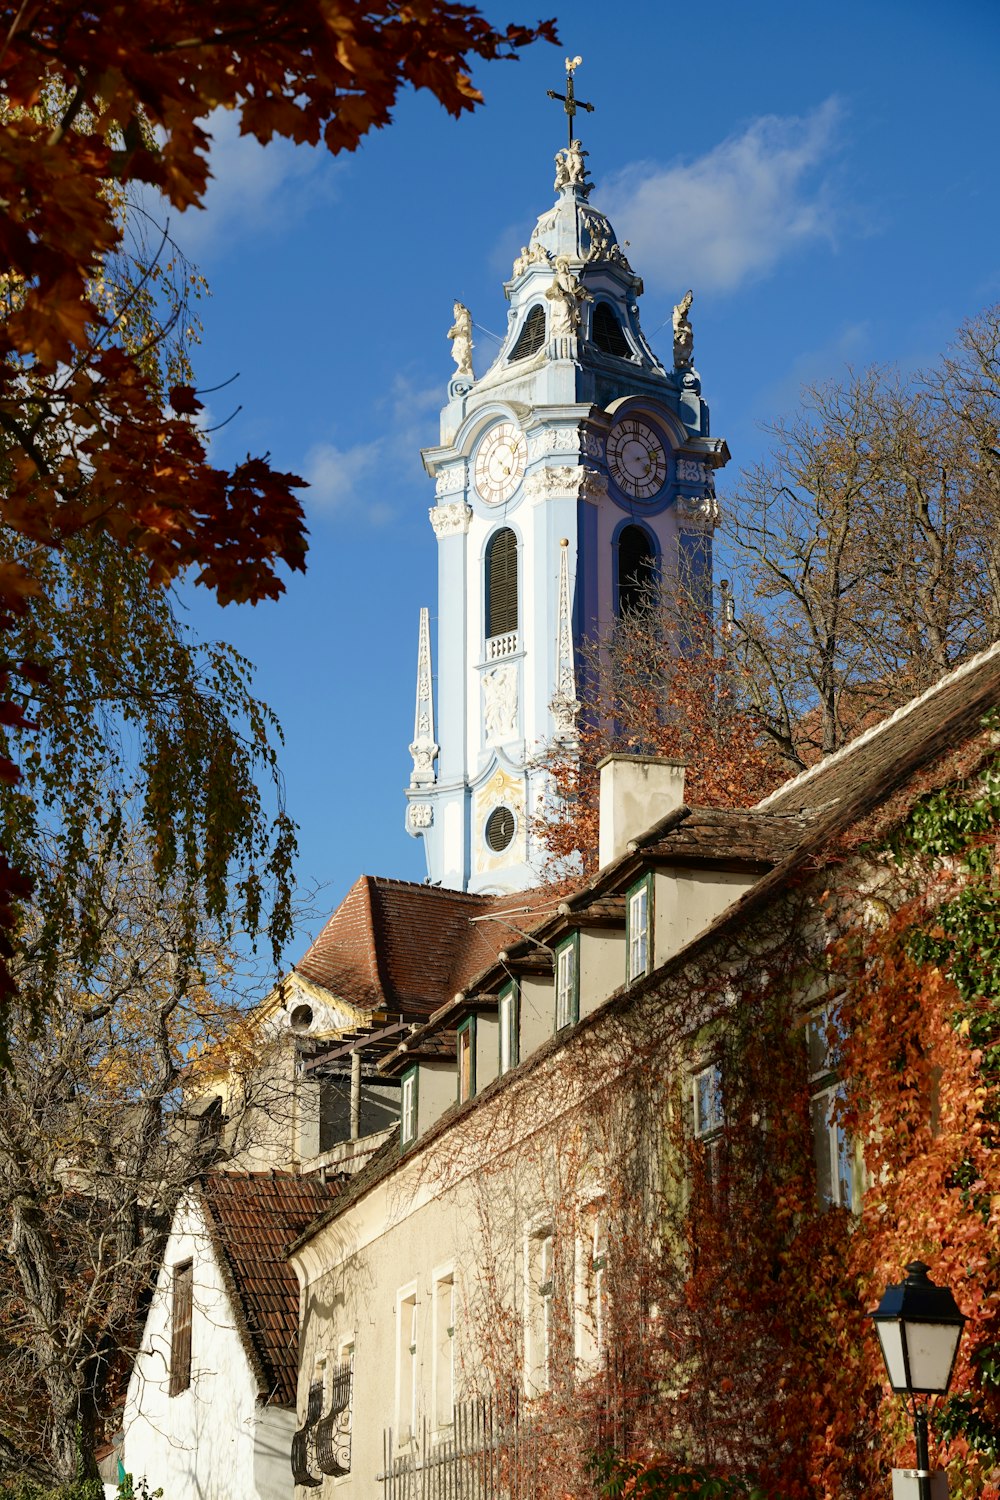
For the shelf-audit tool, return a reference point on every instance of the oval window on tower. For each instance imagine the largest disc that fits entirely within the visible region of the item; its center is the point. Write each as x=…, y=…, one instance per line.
x=501, y=583
x=607, y=332
x=500, y=829
x=636, y=569
x=532, y=335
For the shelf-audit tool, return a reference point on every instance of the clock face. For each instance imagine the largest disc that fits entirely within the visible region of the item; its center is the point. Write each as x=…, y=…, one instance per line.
x=637, y=458
x=500, y=463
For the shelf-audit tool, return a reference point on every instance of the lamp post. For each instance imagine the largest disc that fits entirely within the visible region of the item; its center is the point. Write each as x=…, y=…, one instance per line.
x=919, y=1326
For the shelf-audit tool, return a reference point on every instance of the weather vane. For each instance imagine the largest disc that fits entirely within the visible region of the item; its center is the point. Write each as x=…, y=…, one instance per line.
x=569, y=100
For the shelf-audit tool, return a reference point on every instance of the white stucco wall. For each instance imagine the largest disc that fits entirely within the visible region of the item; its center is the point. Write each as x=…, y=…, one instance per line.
x=212, y=1441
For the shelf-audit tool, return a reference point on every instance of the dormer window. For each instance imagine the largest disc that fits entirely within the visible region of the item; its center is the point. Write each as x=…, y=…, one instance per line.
x=532, y=335
x=467, y=1060
x=507, y=1015
x=408, y=1109
x=568, y=983
x=638, y=929
x=607, y=332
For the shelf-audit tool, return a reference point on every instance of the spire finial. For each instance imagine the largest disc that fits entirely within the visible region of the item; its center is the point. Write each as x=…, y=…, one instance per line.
x=424, y=749
x=564, y=706
x=570, y=102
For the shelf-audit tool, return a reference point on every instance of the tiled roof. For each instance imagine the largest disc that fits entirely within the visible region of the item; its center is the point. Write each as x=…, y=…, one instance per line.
x=724, y=836
x=867, y=768
x=403, y=948
x=252, y=1217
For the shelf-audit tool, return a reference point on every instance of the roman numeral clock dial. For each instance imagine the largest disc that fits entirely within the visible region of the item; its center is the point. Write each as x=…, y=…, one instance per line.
x=500, y=463
x=637, y=458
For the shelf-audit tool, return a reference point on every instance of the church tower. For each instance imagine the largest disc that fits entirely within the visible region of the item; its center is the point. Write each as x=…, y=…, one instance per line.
x=575, y=466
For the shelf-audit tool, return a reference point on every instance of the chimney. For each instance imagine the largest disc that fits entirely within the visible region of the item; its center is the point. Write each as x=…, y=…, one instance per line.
x=636, y=792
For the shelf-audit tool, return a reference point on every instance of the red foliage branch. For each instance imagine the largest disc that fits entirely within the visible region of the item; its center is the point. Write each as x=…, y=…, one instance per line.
x=135, y=80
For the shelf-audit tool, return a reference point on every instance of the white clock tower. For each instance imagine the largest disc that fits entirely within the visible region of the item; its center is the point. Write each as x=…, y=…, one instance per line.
x=575, y=466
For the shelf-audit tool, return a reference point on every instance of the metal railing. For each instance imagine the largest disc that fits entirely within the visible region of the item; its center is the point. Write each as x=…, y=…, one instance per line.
x=484, y=1455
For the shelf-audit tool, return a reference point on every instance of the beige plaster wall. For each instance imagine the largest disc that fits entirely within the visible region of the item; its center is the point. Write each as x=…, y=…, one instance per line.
x=538, y=1012
x=602, y=967
x=686, y=902
x=487, y=1050
x=437, y=1091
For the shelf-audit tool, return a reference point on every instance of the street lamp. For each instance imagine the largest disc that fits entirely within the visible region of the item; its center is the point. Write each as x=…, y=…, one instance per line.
x=919, y=1327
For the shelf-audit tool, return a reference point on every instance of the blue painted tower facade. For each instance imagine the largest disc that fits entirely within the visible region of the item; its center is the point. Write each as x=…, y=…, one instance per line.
x=574, y=464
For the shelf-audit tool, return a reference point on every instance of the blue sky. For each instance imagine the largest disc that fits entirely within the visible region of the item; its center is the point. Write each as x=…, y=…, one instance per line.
x=823, y=177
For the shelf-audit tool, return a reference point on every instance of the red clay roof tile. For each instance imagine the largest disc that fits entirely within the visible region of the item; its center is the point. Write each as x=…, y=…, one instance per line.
x=252, y=1217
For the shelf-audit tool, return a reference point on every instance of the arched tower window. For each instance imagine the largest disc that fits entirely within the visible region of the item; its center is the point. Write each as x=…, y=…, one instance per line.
x=636, y=569
x=607, y=332
x=532, y=335
x=501, y=583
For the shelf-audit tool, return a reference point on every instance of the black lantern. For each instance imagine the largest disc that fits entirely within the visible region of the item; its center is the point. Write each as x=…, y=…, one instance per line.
x=919, y=1327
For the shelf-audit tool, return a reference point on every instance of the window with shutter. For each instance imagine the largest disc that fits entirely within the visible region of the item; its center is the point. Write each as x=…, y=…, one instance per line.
x=532, y=335
x=636, y=570
x=501, y=583
x=607, y=332
x=180, y=1328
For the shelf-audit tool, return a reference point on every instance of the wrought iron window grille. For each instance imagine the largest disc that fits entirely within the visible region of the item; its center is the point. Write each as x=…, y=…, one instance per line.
x=332, y=1437
x=303, y=1444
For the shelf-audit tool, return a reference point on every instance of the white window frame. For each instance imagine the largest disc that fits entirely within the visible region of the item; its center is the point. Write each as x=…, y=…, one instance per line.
x=539, y=1290
x=567, y=982
x=640, y=905
x=444, y=1350
x=709, y=1124
x=408, y=1106
x=835, y=1164
x=591, y=1253
x=407, y=1363
x=507, y=1023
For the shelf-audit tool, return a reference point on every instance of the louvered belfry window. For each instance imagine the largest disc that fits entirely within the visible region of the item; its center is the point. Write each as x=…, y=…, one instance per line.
x=532, y=335
x=607, y=334
x=180, y=1328
x=636, y=570
x=501, y=583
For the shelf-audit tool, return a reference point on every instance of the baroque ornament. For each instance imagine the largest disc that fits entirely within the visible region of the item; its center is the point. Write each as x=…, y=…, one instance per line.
x=500, y=704
x=683, y=333
x=566, y=295
x=451, y=520
x=450, y=481
x=702, y=510
x=571, y=168
x=564, y=440
x=531, y=255
x=571, y=480
x=460, y=334
x=421, y=815
x=690, y=472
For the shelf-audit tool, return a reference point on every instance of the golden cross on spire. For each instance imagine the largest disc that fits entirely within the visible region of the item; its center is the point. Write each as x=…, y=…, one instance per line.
x=569, y=100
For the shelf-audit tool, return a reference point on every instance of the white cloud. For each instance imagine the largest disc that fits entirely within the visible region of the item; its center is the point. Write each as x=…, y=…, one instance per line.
x=252, y=187
x=339, y=477
x=734, y=213
x=351, y=483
